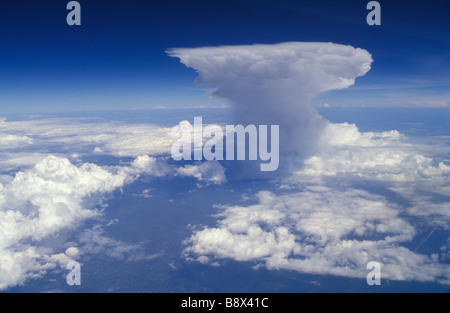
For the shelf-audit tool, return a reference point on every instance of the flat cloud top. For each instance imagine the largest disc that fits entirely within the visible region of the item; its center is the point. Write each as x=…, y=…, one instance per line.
x=320, y=66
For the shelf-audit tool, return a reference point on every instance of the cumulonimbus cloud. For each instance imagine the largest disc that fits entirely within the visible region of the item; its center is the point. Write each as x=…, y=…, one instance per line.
x=274, y=84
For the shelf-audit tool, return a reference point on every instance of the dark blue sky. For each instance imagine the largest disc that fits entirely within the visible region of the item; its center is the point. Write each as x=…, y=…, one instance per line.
x=116, y=59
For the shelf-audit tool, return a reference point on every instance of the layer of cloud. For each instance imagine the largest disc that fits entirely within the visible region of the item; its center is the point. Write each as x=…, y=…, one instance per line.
x=321, y=223
x=318, y=222
x=25, y=142
x=46, y=189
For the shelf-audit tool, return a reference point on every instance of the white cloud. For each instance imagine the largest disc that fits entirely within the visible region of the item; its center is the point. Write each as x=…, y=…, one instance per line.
x=315, y=66
x=13, y=140
x=53, y=196
x=72, y=252
x=42, y=200
x=42, y=194
x=23, y=143
x=274, y=84
x=329, y=227
x=95, y=241
x=78, y=137
x=209, y=172
x=320, y=224
x=321, y=231
x=326, y=226
x=403, y=164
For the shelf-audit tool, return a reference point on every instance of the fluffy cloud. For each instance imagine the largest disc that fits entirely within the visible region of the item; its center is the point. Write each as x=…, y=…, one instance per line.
x=13, y=140
x=53, y=192
x=43, y=194
x=321, y=224
x=78, y=137
x=274, y=84
x=384, y=155
x=317, y=223
x=311, y=66
x=209, y=172
x=53, y=196
x=411, y=169
x=319, y=230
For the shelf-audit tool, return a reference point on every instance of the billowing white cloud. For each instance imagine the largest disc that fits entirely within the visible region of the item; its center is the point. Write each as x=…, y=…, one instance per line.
x=274, y=84
x=320, y=230
x=411, y=169
x=77, y=137
x=43, y=194
x=317, y=223
x=384, y=155
x=321, y=224
x=209, y=172
x=329, y=227
x=51, y=193
x=53, y=196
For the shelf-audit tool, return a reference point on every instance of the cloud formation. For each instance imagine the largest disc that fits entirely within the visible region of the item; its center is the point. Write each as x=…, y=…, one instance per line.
x=317, y=222
x=55, y=196
x=321, y=223
x=209, y=172
x=274, y=84
x=44, y=194
x=321, y=231
x=52, y=196
x=25, y=142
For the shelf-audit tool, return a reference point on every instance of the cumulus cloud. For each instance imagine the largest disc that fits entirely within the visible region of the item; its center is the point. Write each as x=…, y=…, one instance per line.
x=331, y=227
x=209, y=172
x=411, y=169
x=40, y=202
x=13, y=140
x=319, y=230
x=274, y=84
x=44, y=194
x=53, y=190
x=53, y=196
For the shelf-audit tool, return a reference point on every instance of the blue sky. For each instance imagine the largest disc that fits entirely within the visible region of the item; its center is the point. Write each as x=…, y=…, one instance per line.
x=116, y=59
